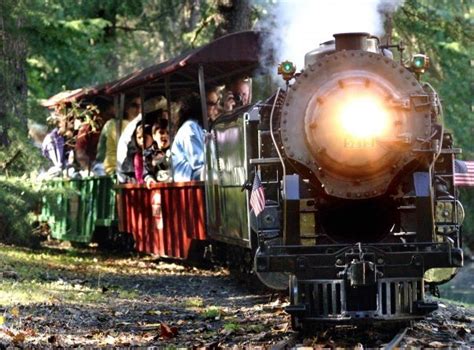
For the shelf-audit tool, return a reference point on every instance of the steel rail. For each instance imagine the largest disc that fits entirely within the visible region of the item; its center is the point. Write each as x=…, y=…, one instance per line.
x=396, y=340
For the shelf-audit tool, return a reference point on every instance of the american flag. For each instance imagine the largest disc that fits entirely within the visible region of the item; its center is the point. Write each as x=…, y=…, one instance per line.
x=463, y=173
x=257, y=198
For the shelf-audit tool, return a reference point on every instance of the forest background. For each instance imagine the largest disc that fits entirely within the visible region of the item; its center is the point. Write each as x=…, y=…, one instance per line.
x=47, y=46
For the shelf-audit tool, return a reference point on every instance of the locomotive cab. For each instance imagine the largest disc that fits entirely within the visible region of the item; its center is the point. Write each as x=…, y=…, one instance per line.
x=365, y=172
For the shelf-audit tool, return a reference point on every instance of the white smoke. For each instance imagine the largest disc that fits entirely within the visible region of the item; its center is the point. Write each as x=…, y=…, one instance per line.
x=299, y=26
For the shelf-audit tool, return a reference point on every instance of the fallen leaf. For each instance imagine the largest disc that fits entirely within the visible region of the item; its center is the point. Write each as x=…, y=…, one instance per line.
x=52, y=339
x=15, y=312
x=281, y=327
x=9, y=332
x=167, y=332
x=463, y=331
x=19, y=338
x=153, y=312
x=436, y=344
x=31, y=332
x=461, y=318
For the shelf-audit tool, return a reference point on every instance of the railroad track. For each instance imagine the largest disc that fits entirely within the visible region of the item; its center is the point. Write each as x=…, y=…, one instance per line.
x=396, y=339
x=340, y=339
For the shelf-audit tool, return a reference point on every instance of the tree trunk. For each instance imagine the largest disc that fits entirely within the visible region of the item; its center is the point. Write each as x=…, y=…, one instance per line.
x=235, y=16
x=13, y=54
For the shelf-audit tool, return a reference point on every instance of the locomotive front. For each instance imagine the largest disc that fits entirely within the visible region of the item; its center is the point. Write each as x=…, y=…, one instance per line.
x=368, y=203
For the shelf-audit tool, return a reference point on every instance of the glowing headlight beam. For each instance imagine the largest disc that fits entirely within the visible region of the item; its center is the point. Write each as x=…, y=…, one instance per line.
x=363, y=116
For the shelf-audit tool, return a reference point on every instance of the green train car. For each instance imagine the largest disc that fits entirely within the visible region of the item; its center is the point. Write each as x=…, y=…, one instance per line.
x=83, y=212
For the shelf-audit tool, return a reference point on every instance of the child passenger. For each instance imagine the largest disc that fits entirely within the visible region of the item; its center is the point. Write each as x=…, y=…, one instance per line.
x=157, y=156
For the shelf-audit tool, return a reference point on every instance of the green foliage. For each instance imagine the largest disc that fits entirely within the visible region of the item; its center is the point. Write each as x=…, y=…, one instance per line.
x=211, y=313
x=76, y=44
x=21, y=156
x=17, y=201
x=231, y=327
x=20, y=205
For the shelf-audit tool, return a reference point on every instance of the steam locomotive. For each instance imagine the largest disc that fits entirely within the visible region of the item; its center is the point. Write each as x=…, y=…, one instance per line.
x=356, y=168
x=357, y=171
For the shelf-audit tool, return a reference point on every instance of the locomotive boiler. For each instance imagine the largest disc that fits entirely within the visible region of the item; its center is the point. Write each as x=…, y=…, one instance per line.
x=357, y=171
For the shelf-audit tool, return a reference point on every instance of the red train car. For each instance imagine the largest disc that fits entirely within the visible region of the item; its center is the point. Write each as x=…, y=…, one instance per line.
x=168, y=219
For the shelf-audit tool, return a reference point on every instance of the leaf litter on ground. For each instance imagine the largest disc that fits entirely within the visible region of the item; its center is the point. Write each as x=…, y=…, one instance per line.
x=93, y=299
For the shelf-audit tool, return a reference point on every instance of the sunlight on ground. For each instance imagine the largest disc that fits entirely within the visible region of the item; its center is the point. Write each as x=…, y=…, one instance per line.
x=31, y=292
x=40, y=277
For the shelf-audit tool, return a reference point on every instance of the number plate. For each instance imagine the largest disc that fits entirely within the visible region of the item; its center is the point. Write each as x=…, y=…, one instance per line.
x=359, y=143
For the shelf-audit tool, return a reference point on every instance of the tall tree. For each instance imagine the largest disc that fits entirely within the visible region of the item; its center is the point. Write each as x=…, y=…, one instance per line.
x=234, y=16
x=13, y=54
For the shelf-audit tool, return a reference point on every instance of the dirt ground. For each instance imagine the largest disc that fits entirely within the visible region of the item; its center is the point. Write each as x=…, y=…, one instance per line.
x=64, y=298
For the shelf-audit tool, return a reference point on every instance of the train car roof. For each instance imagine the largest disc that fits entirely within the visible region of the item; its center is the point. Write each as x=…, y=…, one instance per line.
x=60, y=97
x=78, y=95
x=231, y=55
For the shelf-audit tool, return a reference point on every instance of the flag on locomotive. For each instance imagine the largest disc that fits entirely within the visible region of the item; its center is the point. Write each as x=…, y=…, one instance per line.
x=257, y=198
x=463, y=173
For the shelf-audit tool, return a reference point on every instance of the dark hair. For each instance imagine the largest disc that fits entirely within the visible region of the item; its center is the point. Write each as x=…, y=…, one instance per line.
x=159, y=124
x=154, y=116
x=190, y=108
x=129, y=100
x=103, y=104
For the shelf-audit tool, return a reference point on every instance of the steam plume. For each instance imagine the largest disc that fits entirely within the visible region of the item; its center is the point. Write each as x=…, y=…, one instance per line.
x=299, y=26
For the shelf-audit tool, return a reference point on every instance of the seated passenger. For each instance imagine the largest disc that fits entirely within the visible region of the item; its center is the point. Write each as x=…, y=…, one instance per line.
x=157, y=156
x=54, y=145
x=89, y=133
x=126, y=149
x=238, y=94
x=187, y=151
x=138, y=137
x=132, y=109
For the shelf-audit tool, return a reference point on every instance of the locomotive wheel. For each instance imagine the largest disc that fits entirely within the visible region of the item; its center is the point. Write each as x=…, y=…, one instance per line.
x=293, y=292
x=273, y=280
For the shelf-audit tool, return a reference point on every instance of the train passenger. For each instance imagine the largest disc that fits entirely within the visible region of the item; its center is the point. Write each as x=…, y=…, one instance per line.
x=187, y=150
x=133, y=107
x=157, y=156
x=138, y=138
x=212, y=100
x=37, y=132
x=127, y=148
x=88, y=135
x=54, y=145
x=238, y=94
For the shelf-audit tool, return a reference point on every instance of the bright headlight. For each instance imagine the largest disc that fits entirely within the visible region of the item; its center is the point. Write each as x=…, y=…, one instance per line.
x=363, y=117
